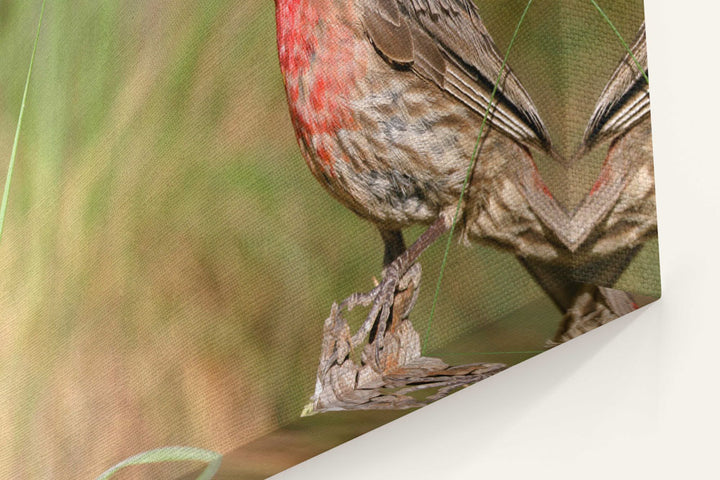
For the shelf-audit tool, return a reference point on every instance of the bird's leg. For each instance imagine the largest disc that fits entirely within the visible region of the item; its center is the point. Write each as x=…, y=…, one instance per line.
x=382, y=296
x=394, y=245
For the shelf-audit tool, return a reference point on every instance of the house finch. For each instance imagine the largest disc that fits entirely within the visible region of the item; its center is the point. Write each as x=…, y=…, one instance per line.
x=387, y=98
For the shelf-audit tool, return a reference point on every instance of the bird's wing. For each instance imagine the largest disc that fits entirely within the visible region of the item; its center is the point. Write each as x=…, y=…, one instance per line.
x=445, y=42
x=626, y=97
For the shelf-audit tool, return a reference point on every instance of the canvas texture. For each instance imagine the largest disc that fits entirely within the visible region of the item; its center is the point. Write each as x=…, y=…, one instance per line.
x=263, y=230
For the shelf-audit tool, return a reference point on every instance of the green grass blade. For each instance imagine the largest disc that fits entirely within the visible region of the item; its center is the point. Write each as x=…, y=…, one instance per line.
x=11, y=165
x=622, y=40
x=470, y=169
x=171, y=454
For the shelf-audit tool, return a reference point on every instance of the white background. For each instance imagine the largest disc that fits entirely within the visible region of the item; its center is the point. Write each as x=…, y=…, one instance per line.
x=638, y=398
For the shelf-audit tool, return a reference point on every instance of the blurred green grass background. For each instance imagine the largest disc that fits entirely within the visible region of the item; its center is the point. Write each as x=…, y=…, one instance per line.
x=168, y=261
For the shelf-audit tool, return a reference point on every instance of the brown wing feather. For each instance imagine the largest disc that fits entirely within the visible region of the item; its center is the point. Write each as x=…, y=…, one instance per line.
x=625, y=101
x=449, y=46
x=390, y=34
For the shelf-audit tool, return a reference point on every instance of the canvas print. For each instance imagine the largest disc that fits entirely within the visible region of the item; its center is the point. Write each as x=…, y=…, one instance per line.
x=242, y=233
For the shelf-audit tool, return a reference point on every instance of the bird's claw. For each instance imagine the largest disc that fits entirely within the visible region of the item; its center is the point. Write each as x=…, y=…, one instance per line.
x=379, y=314
x=381, y=300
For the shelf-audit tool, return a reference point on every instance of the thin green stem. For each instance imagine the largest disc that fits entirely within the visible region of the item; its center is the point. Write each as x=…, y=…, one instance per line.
x=11, y=165
x=171, y=454
x=470, y=169
x=622, y=40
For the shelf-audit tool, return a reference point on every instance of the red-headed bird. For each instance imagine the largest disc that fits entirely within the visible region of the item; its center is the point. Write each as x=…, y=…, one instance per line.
x=387, y=98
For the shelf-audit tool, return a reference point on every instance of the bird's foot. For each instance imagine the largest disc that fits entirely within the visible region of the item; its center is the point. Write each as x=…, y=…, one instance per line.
x=397, y=276
x=391, y=301
x=381, y=299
